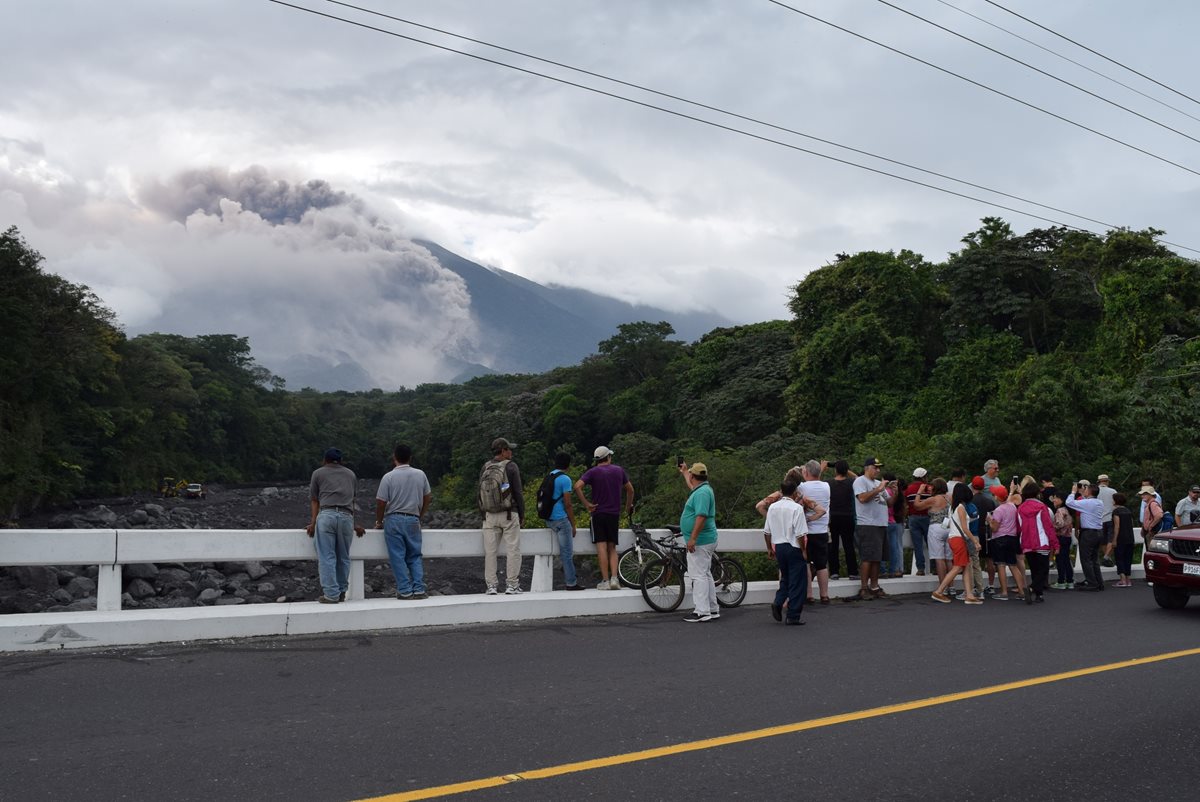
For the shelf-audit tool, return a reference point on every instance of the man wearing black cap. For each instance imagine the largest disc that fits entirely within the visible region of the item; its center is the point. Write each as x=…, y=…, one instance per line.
x=871, y=496
x=332, y=527
x=502, y=501
x=1187, y=511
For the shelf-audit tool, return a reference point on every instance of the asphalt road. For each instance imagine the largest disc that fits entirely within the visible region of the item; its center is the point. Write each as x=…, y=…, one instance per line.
x=348, y=717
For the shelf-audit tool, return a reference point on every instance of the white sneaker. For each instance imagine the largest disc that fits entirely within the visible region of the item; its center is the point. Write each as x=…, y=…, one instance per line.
x=697, y=617
x=713, y=616
x=512, y=590
x=491, y=590
x=604, y=585
x=614, y=584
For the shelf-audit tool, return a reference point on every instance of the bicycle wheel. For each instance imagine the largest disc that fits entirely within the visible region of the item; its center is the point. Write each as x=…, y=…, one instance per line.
x=730, y=579
x=630, y=568
x=662, y=585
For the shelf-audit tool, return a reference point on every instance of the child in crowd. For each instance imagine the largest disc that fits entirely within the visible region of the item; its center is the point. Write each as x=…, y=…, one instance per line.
x=1063, y=526
x=958, y=534
x=1122, y=541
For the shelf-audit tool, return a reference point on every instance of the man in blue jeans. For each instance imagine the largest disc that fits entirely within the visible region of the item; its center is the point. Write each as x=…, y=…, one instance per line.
x=400, y=504
x=331, y=494
x=562, y=520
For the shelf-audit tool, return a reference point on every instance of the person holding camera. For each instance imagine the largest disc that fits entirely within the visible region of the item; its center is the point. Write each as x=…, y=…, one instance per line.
x=1091, y=535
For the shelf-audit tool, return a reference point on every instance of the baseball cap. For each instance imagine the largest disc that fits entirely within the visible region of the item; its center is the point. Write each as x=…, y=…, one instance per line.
x=977, y=483
x=1102, y=477
x=698, y=469
x=1194, y=489
x=603, y=452
x=333, y=455
x=500, y=444
x=999, y=492
x=919, y=473
x=872, y=461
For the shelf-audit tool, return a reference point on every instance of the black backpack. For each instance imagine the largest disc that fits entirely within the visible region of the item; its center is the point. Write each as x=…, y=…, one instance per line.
x=545, y=495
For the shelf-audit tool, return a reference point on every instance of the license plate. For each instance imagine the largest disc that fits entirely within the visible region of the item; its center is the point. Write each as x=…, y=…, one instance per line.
x=1191, y=568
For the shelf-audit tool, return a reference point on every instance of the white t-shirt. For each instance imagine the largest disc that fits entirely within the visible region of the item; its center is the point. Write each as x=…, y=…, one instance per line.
x=819, y=492
x=785, y=522
x=875, y=511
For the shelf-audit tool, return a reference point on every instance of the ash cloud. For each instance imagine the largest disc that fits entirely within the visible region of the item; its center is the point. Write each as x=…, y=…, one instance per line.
x=311, y=274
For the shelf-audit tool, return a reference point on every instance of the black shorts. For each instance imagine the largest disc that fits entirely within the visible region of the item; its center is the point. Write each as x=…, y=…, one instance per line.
x=605, y=527
x=818, y=550
x=1004, y=550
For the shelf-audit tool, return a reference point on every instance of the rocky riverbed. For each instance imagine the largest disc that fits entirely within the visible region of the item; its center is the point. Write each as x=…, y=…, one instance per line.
x=29, y=589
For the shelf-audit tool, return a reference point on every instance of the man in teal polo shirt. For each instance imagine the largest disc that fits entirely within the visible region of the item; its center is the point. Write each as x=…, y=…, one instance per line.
x=698, y=523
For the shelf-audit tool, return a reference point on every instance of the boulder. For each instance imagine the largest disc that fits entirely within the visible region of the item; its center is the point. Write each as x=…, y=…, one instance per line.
x=209, y=578
x=82, y=604
x=269, y=492
x=265, y=588
x=101, y=515
x=241, y=593
x=256, y=570
x=65, y=576
x=208, y=596
x=139, y=589
x=81, y=587
x=155, y=510
x=63, y=597
x=237, y=580
x=35, y=577
x=139, y=518
x=140, y=571
x=172, y=578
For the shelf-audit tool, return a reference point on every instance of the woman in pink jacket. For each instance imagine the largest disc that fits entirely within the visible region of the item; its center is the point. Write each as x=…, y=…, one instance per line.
x=1038, y=539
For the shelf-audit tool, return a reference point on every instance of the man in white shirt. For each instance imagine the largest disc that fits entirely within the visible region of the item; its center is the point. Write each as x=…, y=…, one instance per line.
x=1187, y=511
x=812, y=489
x=1091, y=512
x=788, y=531
x=871, y=510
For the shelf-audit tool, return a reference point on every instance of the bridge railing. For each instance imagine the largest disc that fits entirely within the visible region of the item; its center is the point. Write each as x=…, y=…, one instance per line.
x=110, y=549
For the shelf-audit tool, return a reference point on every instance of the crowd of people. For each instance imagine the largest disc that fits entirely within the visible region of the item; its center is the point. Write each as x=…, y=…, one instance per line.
x=999, y=539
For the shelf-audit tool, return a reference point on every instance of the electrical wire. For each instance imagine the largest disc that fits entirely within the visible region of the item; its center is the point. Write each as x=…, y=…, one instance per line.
x=1093, y=52
x=1038, y=70
x=981, y=85
x=707, y=122
x=1068, y=59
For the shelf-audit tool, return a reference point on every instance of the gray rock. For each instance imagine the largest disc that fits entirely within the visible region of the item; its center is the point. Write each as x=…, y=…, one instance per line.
x=265, y=588
x=269, y=492
x=140, y=571
x=35, y=577
x=139, y=517
x=65, y=576
x=81, y=587
x=281, y=600
x=155, y=510
x=209, y=578
x=139, y=588
x=227, y=600
x=172, y=578
x=208, y=596
x=153, y=603
x=80, y=605
x=63, y=597
x=241, y=593
x=64, y=521
x=179, y=601
x=256, y=570
x=237, y=580
x=100, y=515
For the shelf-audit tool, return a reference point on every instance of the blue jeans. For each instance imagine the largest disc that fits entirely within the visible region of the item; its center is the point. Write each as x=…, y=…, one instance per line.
x=793, y=579
x=332, y=535
x=918, y=529
x=402, y=534
x=893, y=550
x=1062, y=563
x=566, y=547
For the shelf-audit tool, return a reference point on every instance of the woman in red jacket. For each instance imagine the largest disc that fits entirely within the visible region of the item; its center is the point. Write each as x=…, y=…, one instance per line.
x=1038, y=540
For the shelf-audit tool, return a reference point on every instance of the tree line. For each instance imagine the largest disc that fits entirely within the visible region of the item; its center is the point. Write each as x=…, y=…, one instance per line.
x=1053, y=351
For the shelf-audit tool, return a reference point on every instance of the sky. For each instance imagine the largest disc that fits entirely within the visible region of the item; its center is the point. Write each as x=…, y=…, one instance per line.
x=240, y=166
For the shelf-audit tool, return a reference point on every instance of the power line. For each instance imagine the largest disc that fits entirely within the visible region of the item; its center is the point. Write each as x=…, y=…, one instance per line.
x=726, y=112
x=1079, y=64
x=703, y=121
x=1093, y=52
x=1038, y=70
x=981, y=85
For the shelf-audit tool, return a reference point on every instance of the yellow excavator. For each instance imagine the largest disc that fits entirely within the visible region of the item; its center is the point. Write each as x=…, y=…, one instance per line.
x=169, y=488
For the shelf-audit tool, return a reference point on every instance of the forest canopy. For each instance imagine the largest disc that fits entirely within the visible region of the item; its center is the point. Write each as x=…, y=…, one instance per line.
x=1052, y=351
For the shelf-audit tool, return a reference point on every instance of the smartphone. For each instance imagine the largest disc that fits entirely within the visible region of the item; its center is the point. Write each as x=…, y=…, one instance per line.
x=1016, y=479
x=679, y=462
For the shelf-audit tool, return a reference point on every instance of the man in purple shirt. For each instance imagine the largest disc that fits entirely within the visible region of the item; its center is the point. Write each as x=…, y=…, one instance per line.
x=606, y=481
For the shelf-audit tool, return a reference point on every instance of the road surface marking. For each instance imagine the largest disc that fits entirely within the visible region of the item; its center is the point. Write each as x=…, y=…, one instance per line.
x=769, y=732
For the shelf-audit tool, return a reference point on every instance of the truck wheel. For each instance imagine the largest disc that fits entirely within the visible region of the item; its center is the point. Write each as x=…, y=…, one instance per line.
x=1170, y=598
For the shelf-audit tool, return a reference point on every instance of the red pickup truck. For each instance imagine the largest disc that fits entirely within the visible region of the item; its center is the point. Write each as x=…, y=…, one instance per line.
x=1172, y=563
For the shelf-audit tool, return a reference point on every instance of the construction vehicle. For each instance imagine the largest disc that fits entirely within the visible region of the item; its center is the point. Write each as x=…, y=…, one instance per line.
x=169, y=488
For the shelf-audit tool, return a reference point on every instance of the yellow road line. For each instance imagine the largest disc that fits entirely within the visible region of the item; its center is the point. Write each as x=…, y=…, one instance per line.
x=768, y=732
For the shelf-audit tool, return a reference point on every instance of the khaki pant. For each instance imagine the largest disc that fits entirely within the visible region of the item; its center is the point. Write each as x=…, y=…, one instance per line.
x=495, y=526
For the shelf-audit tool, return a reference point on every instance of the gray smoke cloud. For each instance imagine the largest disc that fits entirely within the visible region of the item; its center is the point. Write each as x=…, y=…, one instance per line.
x=312, y=275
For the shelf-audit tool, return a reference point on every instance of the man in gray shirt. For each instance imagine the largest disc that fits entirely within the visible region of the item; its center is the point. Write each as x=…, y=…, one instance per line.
x=400, y=504
x=331, y=491
x=1105, y=494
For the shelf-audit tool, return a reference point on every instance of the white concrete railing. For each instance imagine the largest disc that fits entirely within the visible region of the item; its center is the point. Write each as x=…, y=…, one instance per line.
x=109, y=549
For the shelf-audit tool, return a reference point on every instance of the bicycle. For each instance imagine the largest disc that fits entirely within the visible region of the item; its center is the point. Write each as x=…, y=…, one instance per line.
x=662, y=579
x=632, y=561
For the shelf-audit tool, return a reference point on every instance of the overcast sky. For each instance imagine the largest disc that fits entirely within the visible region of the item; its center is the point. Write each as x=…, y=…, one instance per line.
x=104, y=103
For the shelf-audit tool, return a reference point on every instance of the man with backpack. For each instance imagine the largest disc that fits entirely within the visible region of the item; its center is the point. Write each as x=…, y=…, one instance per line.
x=607, y=480
x=502, y=500
x=554, y=507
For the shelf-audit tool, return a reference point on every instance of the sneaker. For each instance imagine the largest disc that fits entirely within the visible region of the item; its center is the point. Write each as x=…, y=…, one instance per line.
x=604, y=585
x=326, y=600
x=777, y=612
x=421, y=595
x=1059, y=586
x=940, y=597
x=1070, y=586
x=989, y=591
x=614, y=584
x=998, y=597
x=342, y=596
x=491, y=590
x=696, y=618
x=404, y=596
x=1028, y=595
x=576, y=586
x=793, y=622
x=834, y=576
x=713, y=616
x=512, y=590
